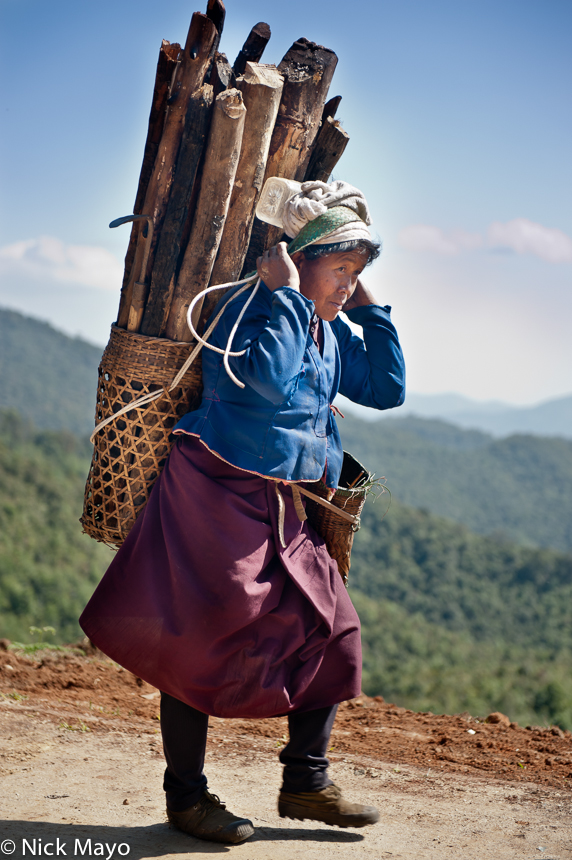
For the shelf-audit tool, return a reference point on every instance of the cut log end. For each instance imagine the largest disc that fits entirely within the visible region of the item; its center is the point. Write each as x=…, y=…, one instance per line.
x=230, y=101
x=222, y=76
x=216, y=11
x=172, y=50
x=331, y=108
x=253, y=48
x=265, y=75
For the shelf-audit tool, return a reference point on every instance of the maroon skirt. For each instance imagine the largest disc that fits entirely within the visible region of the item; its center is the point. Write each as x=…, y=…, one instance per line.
x=203, y=602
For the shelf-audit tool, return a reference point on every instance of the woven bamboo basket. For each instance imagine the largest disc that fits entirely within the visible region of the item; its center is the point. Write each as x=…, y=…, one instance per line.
x=336, y=532
x=130, y=452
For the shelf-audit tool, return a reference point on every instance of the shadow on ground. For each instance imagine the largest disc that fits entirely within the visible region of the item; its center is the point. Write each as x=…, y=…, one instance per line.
x=49, y=839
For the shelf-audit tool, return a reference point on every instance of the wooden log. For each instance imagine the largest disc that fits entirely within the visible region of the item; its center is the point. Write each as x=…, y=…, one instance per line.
x=168, y=251
x=261, y=88
x=216, y=11
x=222, y=76
x=253, y=48
x=307, y=69
x=190, y=76
x=221, y=162
x=328, y=149
x=166, y=65
x=331, y=108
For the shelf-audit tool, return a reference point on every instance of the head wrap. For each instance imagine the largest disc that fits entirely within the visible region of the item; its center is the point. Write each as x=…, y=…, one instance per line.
x=324, y=213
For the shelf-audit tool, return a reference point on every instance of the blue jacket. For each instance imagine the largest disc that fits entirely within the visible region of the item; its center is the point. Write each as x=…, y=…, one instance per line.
x=281, y=425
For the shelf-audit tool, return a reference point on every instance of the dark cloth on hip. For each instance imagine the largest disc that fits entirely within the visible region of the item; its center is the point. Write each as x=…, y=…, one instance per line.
x=202, y=601
x=184, y=731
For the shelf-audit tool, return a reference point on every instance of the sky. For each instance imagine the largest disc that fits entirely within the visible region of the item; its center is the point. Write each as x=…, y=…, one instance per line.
x=459, y=115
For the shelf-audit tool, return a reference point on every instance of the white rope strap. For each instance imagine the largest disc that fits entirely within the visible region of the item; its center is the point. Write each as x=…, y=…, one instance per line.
x=281, y=516
x=298, y=506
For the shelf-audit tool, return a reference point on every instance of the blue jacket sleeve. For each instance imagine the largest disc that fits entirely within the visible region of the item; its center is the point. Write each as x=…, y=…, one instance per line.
x=372, y=369
x=274, y=335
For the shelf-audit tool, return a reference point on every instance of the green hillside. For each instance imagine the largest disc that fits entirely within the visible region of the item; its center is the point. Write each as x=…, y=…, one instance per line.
x=452, y=620
x=455, y=621
x=518, y=487
x=48, y=568
x=47, y=377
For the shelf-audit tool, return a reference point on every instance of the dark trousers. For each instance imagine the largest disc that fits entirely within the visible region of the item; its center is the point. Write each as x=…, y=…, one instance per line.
x=184, y=731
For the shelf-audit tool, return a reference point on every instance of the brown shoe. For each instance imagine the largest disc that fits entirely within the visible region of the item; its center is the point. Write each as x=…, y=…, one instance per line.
x=208, y=819
x=328, y=806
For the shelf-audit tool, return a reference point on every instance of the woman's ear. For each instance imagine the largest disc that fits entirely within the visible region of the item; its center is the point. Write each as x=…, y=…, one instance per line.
x=297, y=259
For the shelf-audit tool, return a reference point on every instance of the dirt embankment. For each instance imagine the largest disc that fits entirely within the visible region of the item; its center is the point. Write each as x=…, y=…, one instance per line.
x=89, y=692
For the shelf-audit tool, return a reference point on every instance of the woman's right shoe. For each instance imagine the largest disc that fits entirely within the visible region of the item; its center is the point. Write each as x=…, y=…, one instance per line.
x=326, y=805
x=209, y=819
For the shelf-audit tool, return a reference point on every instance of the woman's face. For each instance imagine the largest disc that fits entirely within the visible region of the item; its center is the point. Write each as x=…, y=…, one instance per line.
x=330, y=281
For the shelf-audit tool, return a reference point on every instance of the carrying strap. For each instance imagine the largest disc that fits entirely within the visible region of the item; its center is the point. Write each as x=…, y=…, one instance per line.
x=155, y=395
x=299, y=507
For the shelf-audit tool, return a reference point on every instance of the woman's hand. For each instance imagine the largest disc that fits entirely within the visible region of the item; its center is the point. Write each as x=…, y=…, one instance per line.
x=361, y=296
x=276, y=268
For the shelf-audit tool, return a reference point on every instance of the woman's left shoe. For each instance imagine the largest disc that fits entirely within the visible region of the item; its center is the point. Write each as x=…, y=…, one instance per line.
x=326, y=805
x=209, y=819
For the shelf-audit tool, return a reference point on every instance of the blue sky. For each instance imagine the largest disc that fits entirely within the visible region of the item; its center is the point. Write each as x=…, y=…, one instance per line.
x=460, y=124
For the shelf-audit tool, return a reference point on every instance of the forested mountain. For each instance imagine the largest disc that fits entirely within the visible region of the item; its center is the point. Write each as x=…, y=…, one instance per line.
x=455, y=621
x=45, y=375
x=518, y=487
x=549, y=418
x=48, y=568
x=452, y=620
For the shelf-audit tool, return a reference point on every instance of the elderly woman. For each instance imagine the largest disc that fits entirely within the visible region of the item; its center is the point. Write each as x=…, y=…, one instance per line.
x=220, y=596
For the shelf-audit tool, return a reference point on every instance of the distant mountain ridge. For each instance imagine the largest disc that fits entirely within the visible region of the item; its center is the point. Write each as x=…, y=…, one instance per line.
x=550, y=418
x=48, y=377
x=518, y=488
x=37, y=361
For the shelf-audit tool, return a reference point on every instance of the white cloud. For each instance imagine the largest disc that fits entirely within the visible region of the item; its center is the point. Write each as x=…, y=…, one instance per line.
x=425, y=237
x=50, y=258
x=526, y=237
x=519, y=235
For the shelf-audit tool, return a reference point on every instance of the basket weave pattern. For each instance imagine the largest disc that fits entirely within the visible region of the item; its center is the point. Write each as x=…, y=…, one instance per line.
x=130, y=452
x=337, y=533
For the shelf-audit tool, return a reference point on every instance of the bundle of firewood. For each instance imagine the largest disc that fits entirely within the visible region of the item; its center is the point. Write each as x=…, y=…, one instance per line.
x=216, y=133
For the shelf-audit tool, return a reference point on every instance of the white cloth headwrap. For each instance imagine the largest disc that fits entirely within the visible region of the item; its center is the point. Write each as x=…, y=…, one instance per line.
x=315, y=198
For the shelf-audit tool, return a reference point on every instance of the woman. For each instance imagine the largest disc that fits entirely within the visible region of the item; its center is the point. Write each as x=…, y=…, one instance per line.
x=221, y=596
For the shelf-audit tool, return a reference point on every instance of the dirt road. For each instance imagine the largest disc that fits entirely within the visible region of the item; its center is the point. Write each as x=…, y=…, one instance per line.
x=81, y=763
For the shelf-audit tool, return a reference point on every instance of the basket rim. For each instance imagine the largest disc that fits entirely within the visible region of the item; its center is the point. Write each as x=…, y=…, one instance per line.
x=149, y=338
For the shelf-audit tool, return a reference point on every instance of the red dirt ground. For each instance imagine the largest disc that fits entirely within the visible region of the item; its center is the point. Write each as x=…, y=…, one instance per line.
x=88, y=692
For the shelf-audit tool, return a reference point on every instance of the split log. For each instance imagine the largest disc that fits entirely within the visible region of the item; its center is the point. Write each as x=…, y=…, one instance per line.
x=221, y=162
x=222, y=76
x=190, y=76
x=328, y=149
x=164, y=272
x=217, y=13
x=331, y=108
x=261, y=88
x=166, y=65
x=307, y=69
x=253, y=48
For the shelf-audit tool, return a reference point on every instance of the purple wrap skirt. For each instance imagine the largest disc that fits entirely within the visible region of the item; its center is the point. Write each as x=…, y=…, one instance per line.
x=204, y=603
